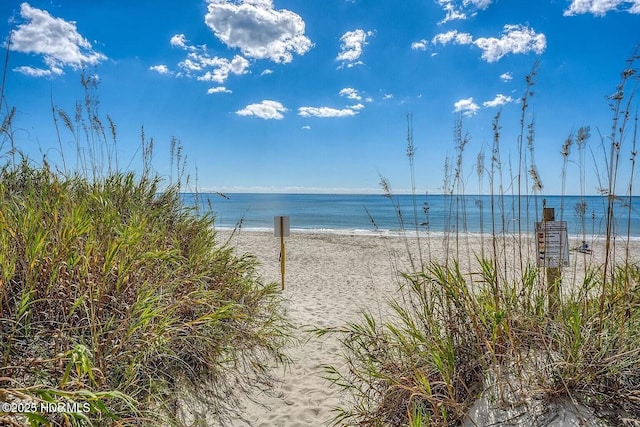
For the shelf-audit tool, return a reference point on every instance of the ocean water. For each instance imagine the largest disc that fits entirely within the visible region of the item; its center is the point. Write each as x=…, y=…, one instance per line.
x=368, y=213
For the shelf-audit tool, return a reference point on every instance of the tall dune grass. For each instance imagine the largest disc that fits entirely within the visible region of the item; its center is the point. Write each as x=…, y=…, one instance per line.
x=489, y=331
x=117, y=297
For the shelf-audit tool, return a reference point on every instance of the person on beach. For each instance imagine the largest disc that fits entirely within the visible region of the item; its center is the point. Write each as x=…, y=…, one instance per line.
x=584, y=248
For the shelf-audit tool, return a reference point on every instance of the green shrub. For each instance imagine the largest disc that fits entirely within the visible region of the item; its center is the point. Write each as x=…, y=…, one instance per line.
x=114, y=293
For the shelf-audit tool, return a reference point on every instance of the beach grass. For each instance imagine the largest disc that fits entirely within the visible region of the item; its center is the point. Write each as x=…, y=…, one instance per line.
x=117, y=298
x=454, y=339
x=491, y=327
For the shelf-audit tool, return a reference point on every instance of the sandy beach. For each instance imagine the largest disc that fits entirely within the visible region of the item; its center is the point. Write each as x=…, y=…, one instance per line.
x=330, y=279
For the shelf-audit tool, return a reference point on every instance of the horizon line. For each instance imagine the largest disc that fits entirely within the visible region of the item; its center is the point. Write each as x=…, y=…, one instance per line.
x=370, y=191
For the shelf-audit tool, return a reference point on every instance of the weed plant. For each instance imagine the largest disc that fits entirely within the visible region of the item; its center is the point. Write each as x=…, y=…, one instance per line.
x=115, y=295
x=489, y=330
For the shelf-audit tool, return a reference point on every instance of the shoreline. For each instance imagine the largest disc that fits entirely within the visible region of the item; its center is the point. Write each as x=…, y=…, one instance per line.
x=411, y=233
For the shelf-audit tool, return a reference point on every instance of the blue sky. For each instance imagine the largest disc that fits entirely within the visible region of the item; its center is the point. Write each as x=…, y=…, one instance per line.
x=313, y=95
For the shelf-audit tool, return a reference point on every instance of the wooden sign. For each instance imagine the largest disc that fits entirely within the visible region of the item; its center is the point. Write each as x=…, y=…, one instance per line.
x=553, y=244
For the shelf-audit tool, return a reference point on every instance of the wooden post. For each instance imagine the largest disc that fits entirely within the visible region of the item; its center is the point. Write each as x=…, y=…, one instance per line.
x=282, y=251
x=553, y=273
x=281, y=226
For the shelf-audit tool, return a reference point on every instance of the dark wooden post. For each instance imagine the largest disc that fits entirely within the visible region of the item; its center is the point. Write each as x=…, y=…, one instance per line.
x=283, y=255
x=553, y=273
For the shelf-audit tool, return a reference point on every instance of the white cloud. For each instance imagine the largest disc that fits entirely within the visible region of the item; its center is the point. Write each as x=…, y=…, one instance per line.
x=352, y=45
x=200, y=65
x=257, y=29
x=506, y=77
x=266, y=109
x=452, y=36
x=160, y=69
x=514, y=39
x=480, y=4
x=37, y=72
x=266, y=72
x=459, y=9
x=500, y=99
x=452, y=13
x=419, y=45
x=387, y=96
x=326, y=112
x=356, y=107
x=601, y=7
x=218, y=89
x=306, y=127
x=467, y=107
x=179, y=40
x=54, y=38
x=190, y=65
x=350, y=93
x=222, y=67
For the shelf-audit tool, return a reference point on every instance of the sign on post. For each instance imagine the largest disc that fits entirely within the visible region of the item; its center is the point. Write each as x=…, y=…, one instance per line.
x=553, y=245
x=281, y=229
x=281, y=226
